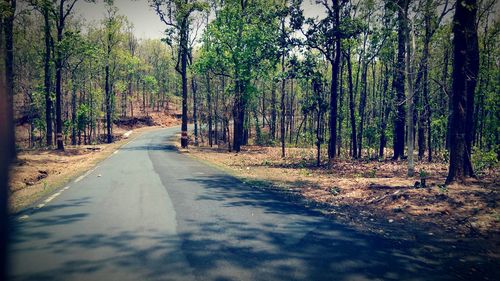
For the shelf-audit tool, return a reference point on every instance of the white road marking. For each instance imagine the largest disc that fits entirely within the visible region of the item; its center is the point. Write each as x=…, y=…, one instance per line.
x=127, y=134
x=25, y=217
x=79, y=178
x=116, y=151
x=52, y=197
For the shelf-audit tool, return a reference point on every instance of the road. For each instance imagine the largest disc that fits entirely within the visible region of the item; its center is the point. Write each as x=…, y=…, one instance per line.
x=150, y=213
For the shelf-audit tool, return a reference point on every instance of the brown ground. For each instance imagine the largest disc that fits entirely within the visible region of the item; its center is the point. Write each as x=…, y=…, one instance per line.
x=38, y=172
x=371, y=194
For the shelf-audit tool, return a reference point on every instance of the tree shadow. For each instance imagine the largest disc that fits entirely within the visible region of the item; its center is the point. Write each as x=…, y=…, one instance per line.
x=288, y=241
x=232, y=232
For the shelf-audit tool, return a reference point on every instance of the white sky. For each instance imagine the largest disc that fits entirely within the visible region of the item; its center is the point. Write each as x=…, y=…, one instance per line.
x=147, y=24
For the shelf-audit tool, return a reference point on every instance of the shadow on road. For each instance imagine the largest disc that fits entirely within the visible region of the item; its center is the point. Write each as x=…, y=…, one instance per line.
x=280, y=240
x=227, y=230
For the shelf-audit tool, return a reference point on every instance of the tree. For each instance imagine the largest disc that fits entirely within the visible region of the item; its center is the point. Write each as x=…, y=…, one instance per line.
x=176, y=15
x=61, y=12
x=242, y=47
x=325, y=35
x=465, y=72
x=7, y=139
x=399, y=81
x=113, y=26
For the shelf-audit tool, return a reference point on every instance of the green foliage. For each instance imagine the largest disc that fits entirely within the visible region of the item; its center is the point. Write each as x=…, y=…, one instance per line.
x=82, y=116
x=482, y=160
x=240, y=41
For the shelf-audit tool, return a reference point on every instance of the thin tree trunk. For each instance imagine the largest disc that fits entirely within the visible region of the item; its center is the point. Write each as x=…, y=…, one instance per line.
x=409, y=100
x=362, y=106
x=184, y=56
x=209, y=105
x=385, y=110
x=59, y=135
x=47, y=77
x=195, y=109
x=332, y=143
x=272, y=125
x=73, y=111
x=399, y=82
x=351, y=106
x=282, y=104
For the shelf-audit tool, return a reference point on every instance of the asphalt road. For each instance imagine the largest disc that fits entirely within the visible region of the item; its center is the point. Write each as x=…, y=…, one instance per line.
x=151, y=213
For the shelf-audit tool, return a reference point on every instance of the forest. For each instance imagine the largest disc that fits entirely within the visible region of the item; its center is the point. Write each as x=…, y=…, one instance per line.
x=369, y=126
x=411, y=80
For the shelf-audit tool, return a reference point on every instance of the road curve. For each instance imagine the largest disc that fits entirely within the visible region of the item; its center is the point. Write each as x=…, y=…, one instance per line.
x=150, y=213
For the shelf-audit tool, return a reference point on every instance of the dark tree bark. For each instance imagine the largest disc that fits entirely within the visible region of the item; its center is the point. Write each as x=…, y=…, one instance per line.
x=351, y=106
x=47, y=76
x=209, y=108
x=332, y=143
x=183, y=49
x=384, y=111
x=282, y=103
x=195, y=109
x=58, y=62
x=108, y=95
x=399, y=82
x=272, y=125
x=239, y=115
x=7, y=154
x=362, y=106
x=465, y=72
x=341, y=113
x=7, y=139
x=73, y=110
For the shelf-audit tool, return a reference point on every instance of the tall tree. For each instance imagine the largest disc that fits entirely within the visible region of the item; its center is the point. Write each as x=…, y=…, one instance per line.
x=399, y=81
x=61, y=12
x=7, y=139
x=112, y=32
x=176, y=15
x=324, y=35
x=47, y=70
x=243, y=46
x=465, y=71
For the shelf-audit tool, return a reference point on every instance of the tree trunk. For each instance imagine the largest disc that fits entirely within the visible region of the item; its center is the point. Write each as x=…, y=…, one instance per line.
x=195, y=109
x=272, y=125
x=7, y=139
x=332, y=143
x=465, y=71
x=362, y=106
x=238, y=115
x=108, y=99
x=409, y=100
x=385, y=110
x=59, y=127
x=399, y=83
x=282, y=104
x=47, y=77
x=351, y=106
x=209, y=105
x=184, y=54
x=73, y=112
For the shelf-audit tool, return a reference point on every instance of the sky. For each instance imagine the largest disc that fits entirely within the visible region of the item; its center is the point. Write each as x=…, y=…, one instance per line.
x=146, y=23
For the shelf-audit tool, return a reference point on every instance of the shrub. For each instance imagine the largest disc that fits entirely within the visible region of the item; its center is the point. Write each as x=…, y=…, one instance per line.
x=482, y=160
